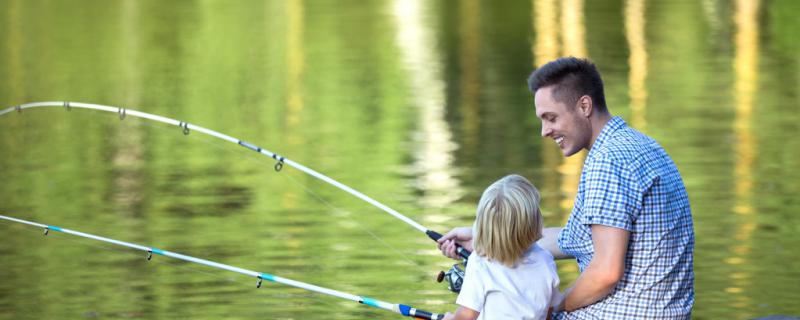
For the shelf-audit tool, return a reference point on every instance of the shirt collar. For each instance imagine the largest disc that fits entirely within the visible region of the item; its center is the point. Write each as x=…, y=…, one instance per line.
x=611, y=126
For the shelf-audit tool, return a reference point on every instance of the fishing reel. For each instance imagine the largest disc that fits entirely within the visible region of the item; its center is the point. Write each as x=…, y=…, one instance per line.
x=454, y=276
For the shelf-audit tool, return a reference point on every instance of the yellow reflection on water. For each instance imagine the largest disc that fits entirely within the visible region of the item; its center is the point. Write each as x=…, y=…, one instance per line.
x=573, y=28
x=545, y=21
x=745, y=64
x=295, y=67
x=637, y=61
x=434, y=145
x=295, y=63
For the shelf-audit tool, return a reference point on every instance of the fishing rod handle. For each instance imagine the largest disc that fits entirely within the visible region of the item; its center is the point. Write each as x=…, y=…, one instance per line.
x=415, y=313
x=427, y=315
x=462, y=252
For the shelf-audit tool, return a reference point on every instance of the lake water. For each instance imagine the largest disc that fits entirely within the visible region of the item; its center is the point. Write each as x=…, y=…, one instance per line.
x=419, y=104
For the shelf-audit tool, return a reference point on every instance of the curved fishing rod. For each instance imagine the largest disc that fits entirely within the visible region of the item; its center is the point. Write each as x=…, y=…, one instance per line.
x=402, y=309
x=187, y=127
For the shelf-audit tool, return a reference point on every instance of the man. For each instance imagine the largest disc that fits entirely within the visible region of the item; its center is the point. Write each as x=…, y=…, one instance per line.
x=630, y=229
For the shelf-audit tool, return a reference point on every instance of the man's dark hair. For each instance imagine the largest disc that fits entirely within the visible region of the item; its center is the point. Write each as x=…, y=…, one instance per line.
x=572, y=78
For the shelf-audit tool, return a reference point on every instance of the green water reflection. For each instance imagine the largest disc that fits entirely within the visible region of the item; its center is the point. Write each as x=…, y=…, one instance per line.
x=420, y=104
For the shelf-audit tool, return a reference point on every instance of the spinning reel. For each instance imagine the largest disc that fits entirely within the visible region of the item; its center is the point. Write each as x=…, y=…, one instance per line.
x=454, y=276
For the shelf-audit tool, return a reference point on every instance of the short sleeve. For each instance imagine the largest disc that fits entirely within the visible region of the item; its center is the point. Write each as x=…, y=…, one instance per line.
x=612, y=197
x=555, y=282
x=555, y=295
x=473, y=293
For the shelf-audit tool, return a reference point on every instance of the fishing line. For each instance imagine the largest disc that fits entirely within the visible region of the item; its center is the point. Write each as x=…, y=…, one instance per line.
x=259, y=161
x=358, y=224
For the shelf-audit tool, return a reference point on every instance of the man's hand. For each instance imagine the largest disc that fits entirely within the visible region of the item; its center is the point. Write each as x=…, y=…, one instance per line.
x=461, y=236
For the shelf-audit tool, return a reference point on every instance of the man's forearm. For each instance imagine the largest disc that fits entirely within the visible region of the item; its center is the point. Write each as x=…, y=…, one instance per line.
x=549, y=242
x=590, y=287
x=604, y=271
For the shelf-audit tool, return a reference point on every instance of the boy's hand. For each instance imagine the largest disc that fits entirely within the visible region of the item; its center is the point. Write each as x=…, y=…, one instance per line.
x=448, y=316
x=461, y=236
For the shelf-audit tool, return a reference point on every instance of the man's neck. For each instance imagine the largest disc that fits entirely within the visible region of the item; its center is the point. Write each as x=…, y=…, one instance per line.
x=598, y=121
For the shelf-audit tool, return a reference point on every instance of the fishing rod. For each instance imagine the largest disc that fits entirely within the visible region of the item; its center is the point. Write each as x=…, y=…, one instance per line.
x=188, y=127
x=402, y=309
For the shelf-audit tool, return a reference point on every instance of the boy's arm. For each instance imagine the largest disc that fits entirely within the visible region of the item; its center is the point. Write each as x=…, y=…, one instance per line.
x=462, y=313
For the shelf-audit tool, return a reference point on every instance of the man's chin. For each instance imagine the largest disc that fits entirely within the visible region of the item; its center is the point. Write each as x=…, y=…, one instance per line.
x=568, y=153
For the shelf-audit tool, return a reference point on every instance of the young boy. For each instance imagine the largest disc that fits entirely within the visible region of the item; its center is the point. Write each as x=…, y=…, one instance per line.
x=508, y=276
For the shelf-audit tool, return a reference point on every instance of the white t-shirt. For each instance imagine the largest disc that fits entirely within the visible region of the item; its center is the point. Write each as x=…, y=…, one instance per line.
x=499, y=292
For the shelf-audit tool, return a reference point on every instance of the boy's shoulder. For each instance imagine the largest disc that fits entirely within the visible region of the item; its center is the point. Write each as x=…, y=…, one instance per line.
x=535, y=257
x=537, y=254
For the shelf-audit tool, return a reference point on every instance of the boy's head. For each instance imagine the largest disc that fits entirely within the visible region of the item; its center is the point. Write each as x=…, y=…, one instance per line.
x=508, y=220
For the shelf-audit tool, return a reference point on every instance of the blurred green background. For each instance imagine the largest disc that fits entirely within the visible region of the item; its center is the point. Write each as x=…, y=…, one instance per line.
x=419, y=104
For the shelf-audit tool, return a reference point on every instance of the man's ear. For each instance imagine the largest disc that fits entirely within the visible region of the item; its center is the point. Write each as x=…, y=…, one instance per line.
x=585, y=105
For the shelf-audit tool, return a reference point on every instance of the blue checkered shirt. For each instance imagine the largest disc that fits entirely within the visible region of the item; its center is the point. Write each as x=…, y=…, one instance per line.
x=629, y=182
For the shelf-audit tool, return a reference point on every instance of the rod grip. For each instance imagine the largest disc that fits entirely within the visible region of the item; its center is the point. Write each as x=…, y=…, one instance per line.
x=415, y=313
x=427, y=315
x=463, y=253
x=433, y=235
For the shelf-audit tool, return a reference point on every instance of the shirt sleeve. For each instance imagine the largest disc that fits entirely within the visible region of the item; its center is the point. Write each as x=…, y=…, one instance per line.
x=555, y=298
x=473, y=293
x=612, y=195
x=555, y=293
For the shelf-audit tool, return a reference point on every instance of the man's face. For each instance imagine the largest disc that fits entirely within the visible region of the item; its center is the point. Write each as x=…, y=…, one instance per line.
x=567, y=125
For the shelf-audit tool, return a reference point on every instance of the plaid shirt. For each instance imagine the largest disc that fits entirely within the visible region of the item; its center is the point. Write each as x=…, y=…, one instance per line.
x=629, y=182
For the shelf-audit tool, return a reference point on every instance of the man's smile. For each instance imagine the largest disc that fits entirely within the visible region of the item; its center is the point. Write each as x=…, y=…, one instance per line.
x=559, y=140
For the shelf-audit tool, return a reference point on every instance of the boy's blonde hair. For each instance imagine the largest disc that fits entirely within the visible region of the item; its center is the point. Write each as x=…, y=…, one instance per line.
x=508, y=221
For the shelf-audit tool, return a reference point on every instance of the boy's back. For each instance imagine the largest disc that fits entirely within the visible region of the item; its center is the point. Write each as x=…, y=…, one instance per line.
x=499, y=292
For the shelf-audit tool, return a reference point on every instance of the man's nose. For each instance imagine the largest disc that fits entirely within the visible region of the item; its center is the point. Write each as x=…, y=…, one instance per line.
x=545, y=130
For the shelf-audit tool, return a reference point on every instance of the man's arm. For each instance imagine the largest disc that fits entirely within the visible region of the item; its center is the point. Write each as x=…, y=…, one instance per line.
x=549, y=242
x=605, y=269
